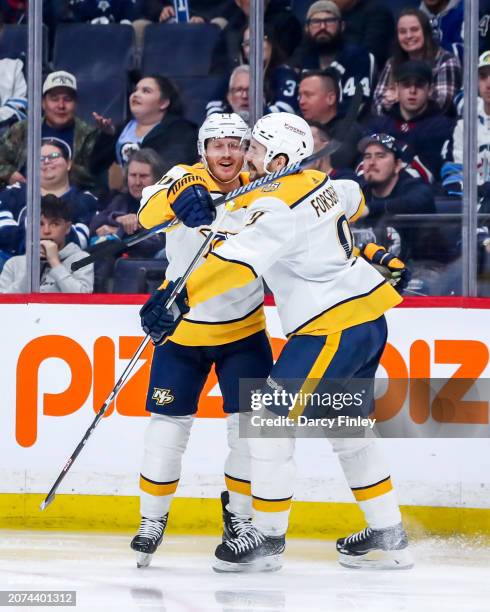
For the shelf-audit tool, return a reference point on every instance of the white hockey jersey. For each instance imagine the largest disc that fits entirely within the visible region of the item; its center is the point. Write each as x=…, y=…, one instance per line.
x=236, y=314
x=297, y=237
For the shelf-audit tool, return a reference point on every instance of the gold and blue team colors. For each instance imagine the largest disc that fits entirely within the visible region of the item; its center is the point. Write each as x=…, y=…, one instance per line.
x=297, y=237
x=226, y=318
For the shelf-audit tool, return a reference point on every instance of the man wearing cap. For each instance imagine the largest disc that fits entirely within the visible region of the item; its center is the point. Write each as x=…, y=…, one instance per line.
x=452, y=170
x=389, y=190
x=59, y=104
x=324, y=46
x=416, y=120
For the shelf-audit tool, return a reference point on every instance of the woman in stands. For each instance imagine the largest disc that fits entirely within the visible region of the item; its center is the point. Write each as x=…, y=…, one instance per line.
x=156, y=123
x=414, y=41
x=119, y=217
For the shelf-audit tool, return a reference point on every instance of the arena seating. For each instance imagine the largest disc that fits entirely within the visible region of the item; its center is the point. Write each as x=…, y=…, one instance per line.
x=179, y=49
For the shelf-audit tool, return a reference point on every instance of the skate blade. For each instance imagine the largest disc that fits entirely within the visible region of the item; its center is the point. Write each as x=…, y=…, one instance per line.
x=267, y=564
x=143, y=560
x=379, y=560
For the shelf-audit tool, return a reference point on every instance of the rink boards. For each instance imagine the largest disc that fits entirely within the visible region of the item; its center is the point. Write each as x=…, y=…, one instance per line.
x=59, y=361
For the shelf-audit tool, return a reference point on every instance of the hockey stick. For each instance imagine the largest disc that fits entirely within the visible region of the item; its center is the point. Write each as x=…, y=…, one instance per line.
x=229, y=205
x=113, y=247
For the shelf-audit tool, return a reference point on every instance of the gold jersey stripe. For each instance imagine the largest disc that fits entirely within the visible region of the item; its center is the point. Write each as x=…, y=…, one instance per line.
x=235, y=485
x=217, y=275
x=316, y=372
x=271, y=505
x=158, y=488
x=360, y=208
x=356, y=310
x=190, y=333
x=372, y=491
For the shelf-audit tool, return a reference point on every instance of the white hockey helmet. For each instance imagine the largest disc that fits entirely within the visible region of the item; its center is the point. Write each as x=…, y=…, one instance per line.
x=283, y=133
x=221, y=125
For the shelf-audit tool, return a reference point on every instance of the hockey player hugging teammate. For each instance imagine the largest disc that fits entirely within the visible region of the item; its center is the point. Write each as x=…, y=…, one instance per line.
x=331, y=304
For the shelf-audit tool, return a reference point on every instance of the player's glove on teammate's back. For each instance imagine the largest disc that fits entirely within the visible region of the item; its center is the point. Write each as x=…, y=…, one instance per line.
x=156, y=320
x=392, y=268
x=191, y=202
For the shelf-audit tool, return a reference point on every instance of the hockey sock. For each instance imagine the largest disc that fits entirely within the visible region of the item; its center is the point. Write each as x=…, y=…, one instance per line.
x=367, y=475
x=237, y=470
x=165, y=442
x=273, y=471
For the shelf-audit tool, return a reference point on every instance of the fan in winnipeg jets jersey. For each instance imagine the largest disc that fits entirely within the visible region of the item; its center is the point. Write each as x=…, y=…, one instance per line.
x=331, y=307
x=228, y=331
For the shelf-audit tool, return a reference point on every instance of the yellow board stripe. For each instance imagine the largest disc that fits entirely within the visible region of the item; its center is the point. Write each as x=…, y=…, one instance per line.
x=271, y=505
x=372, y=491
x=202, y=516
x=158, y=488
x=235, y=485
x=316, y=372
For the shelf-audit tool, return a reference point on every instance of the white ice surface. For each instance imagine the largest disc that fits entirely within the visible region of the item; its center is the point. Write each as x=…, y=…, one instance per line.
x=450, y=575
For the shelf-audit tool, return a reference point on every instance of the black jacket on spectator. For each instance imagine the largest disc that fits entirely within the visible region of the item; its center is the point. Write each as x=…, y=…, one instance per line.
x=347, y=155
x=354, y=63
x=278, y=16
x=371, y=24
x=124, y=204
x=409, y=196
x=174, y=139
x=425, y=134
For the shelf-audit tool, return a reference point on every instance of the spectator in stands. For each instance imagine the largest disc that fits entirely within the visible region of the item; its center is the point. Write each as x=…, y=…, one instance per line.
x=452, y=170
x=368, y=23
x=119, y=218
x=57, y=255
x=201, y=11
x=318, y=101
x=55, y=168
x=320, y=139
x=416, y=120
x=156, y=123
x=59, y=104
x=390, y=190
x=13, y=90
x=280, y=82
x=325, y=45
x=278, y=16
x=446, y=20
x=414, y=41
x=96, y=12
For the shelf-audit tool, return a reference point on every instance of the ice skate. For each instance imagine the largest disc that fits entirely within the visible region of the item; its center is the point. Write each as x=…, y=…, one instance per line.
x=251, y=552
x=233, y=525
x=148, y=539
x=376, y=549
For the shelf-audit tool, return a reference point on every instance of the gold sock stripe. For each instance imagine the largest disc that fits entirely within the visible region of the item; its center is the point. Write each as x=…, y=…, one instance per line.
x=271, y=505
x=372, y=491
x=237, y=485
x=158, y=488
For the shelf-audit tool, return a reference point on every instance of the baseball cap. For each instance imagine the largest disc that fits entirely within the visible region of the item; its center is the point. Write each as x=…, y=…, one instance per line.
x=385, y=140
x=414, y=69
x=325, y=6
x=60, y=78
x=484, y=60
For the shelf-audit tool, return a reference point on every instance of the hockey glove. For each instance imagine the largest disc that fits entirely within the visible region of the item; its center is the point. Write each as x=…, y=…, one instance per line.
x=392, y=268
x=156, y=320
x=191, y=202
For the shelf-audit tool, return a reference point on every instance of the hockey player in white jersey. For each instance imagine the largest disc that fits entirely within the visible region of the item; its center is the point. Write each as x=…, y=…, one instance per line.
x=228, y=331
x=331, y=307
